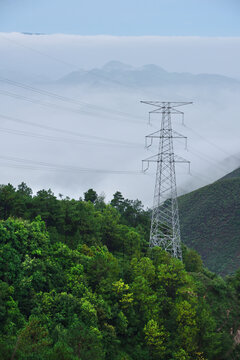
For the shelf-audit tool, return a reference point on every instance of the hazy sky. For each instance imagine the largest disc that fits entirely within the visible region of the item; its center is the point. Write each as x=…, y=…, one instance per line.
x=125, y=17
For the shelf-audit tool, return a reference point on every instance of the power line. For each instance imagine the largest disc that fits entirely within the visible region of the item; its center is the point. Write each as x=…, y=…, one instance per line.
x=212, y=143
x=65, y=140
x=202, y=156
x=65, y=131
x=207, y=158
x=38, y=52
x=64, y=98
x=69, y=168
x=58, y=107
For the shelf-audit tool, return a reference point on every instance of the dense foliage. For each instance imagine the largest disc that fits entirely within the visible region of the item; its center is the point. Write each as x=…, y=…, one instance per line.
x=78, y=281
x=212, y=226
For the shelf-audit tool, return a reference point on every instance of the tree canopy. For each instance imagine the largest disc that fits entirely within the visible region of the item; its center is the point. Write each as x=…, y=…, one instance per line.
x=78, y=281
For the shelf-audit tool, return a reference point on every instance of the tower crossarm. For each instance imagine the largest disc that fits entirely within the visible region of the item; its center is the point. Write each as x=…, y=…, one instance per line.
x=157, y=158
x=162, y=104
x=159, y=134
x=161, y=107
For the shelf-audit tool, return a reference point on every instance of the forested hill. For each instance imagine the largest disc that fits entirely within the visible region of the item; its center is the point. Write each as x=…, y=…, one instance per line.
x=210, y=223
x=78, y=281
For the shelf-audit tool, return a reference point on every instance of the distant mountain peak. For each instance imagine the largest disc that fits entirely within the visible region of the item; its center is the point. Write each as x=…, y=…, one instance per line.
x=29, y=33
x=153, y=67
x=116, y=65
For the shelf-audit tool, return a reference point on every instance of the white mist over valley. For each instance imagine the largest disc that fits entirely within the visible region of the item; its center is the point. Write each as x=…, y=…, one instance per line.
x=71, y=116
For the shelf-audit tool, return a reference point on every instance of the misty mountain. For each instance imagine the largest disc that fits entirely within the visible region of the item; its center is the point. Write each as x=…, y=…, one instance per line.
x=115, y=72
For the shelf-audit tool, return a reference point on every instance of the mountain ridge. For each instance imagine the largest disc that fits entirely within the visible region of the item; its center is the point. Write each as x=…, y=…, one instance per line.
x=146, y=75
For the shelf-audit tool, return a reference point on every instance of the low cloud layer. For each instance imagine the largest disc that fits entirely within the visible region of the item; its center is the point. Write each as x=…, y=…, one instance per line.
x=104, y=108
x=54, y=55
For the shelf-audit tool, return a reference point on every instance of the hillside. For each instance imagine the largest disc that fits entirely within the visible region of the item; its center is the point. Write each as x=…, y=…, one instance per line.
x=210, y=223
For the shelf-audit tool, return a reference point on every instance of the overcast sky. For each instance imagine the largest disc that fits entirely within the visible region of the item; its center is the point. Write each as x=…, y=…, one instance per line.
x=125, y=17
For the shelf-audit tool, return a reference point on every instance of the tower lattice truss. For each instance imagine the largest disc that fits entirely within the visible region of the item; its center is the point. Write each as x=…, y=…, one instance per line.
x=165, y=227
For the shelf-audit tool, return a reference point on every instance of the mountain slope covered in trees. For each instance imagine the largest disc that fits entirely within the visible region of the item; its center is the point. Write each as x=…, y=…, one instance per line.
x=210, y=223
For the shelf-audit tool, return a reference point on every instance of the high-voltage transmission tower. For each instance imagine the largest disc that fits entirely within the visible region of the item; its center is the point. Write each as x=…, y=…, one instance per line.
x=165, y=228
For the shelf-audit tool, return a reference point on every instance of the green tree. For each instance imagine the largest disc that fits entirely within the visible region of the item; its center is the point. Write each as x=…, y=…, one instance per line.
x=192, y=260
x=91, y=196
x=156, y=336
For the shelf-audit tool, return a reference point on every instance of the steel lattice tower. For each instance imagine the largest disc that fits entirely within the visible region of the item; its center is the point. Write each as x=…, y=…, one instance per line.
x=165, y=228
